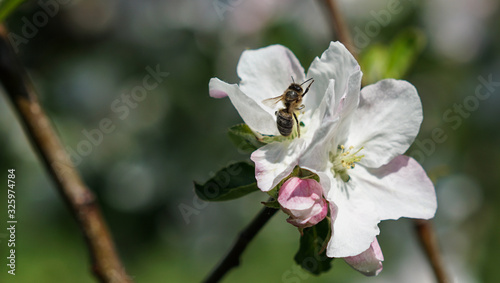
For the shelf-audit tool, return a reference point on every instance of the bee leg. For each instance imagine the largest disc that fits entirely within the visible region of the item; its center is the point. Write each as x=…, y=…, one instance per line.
x=297, y=123
x=300, y=108
x=307, y=89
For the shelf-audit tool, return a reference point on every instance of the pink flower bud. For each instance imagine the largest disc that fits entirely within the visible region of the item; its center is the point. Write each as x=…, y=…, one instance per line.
x=303, y=201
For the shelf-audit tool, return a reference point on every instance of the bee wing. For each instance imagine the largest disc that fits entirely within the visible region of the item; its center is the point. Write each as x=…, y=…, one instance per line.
x=270, y=102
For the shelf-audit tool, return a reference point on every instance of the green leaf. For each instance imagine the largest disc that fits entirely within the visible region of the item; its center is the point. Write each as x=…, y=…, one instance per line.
x=243, y=137
x=312, y=252
x=7, y=7
x=393, y=60
x=233, y=181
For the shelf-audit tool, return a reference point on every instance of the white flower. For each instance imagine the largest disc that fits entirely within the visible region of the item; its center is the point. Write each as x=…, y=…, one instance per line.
x=353, y=140
x=266, y=73
x=357, y=154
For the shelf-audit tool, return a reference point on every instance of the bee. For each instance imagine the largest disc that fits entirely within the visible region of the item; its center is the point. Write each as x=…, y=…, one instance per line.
x=292, y=100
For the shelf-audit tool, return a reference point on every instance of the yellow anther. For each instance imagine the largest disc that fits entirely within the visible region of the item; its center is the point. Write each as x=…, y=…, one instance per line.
x=343, y=160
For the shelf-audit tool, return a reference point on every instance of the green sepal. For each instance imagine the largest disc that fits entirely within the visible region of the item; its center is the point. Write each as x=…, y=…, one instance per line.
x=311, y=255
x=306, y=174
x=242, y=136
x=272, y=204
x=270, y=139
x=274, y=192
x=231, y=182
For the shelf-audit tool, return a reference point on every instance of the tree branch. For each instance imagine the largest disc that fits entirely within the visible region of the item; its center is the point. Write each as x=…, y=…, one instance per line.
x=232, y=259
x=106, y=264
x=339, y=26
x=428, y=239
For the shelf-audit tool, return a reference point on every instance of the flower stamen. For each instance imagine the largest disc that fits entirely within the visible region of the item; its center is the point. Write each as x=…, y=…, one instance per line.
x=343, y=160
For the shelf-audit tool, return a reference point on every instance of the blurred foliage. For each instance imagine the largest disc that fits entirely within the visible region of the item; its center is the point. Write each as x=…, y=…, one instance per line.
x=7, y=7
x=91, y=54
x=381, y=61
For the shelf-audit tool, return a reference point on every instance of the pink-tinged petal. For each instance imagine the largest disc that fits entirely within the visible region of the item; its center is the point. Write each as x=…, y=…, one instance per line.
x=386, y=122
x=368, y=262
x=303, y=201
x=338, y=64
x=216, y=93
x=399, y=189
x=275, y=161
x=320, y=213
x=253, y=114
x=267, y=72
x=356, y=221
x=298, y=194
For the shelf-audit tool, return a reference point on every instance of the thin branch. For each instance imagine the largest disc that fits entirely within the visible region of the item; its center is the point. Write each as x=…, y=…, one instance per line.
x=232, y=259
x=339, y=26
x=428, y=239
x=106, y=264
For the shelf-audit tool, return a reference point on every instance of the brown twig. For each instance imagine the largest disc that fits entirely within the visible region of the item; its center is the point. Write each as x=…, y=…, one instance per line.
x=232, y=259
x=339, y=26
x=428, y=239
x=106, y=264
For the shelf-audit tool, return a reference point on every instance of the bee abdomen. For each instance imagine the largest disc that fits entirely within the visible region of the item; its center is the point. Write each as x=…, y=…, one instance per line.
x=285, y=122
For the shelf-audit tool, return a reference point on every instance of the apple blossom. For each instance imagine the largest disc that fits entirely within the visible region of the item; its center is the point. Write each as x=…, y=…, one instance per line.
x=356, y=152
x=266, y=73
x=352, y=139
x=303, y=200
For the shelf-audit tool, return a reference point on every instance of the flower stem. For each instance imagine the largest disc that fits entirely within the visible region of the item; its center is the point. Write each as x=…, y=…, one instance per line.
x=339, y=26
x=106, y=264
x=232, y=259
x=428, y=239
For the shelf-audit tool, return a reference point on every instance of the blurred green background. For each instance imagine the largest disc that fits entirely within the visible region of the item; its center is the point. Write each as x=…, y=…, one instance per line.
x=87, y=54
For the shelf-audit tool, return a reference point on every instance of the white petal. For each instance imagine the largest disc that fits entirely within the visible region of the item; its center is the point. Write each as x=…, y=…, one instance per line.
x=267, y=72
x=335, y=63
x=252, y=113
x=356, y=221
x=316, y=156
x=275, y=161
x=345, y=108
x=333, y=126
x=399, y=189
x=315, y=118
x=368, y=262
x=386, y=122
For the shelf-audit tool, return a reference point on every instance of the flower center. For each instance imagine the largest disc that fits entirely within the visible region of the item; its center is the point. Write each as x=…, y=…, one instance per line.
x=343, y=160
